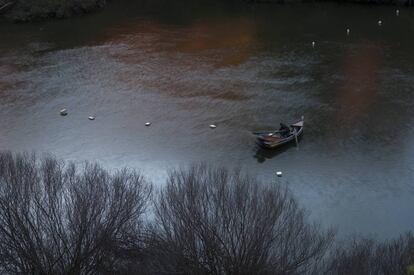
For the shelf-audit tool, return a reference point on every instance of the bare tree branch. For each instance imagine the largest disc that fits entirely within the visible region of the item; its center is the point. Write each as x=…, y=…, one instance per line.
x=212, y=221
x=57, y=219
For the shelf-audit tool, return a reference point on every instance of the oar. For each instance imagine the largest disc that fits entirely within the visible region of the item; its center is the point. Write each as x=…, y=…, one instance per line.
x=296, y=133
x=296, y=138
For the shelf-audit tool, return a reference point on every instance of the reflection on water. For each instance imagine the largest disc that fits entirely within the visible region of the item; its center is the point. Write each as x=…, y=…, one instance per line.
x=262, y=154
x=242, y=68
x=359, y=90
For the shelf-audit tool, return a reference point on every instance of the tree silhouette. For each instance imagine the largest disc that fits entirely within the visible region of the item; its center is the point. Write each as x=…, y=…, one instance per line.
x=212, y=221
x=57, y=219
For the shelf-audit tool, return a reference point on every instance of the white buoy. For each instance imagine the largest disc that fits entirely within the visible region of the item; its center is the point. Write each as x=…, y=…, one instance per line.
x=313, y=44
x=212, y=126
x=397, y=12
x=63, y=112
x=348, y=31
x=91, y=118
x=379, y=23
x=148, y=124
x=279, y=173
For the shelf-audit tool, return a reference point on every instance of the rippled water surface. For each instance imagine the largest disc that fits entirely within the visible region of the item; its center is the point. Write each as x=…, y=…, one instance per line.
x=186, y=66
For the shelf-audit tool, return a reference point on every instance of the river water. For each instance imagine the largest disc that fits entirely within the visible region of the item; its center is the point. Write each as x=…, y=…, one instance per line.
x=184, y=66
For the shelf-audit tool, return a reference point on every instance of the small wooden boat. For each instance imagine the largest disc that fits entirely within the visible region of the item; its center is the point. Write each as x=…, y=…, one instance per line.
x=277, y=138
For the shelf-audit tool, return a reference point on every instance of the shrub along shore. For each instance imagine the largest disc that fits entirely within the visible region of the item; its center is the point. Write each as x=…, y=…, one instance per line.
x=34, y=10
x=62, y=218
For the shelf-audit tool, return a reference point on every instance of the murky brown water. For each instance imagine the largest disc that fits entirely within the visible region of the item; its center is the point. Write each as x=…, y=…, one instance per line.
x=243, y=68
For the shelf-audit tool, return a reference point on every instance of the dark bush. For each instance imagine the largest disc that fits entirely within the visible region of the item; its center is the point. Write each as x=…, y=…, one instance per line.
x=367, y=256
x=28, y=10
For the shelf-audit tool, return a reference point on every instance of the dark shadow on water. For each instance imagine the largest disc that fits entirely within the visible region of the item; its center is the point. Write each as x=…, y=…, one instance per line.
x=263, y=153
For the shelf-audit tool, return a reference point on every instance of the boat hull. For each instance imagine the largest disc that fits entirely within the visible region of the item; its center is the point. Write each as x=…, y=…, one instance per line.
x=273, y=139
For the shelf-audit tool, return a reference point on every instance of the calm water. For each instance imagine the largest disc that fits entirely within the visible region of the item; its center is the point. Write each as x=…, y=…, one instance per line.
x=242, y=68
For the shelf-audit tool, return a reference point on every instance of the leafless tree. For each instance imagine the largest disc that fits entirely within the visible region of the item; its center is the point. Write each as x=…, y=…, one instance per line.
x=58, y=219
x=367, y=256
x=213, y=221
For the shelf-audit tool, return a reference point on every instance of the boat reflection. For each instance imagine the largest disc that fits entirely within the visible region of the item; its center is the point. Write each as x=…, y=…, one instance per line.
x=262, y=154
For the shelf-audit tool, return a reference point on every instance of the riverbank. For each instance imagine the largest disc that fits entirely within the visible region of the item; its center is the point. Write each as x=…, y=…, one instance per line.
x=34, y=10
x=37, y=10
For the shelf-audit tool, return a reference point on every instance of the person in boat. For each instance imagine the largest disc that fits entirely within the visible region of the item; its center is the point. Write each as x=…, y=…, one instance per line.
x=284, y=130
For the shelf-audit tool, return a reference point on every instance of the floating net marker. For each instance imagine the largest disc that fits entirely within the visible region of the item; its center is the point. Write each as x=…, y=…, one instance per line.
x=63, y=112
